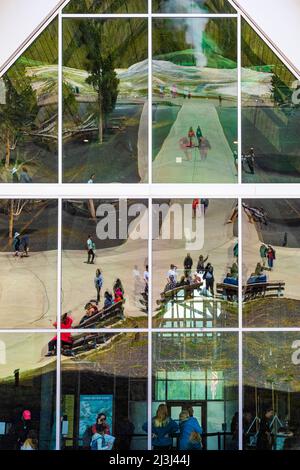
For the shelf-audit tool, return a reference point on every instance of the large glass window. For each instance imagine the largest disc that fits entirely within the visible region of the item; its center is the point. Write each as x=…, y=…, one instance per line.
x=28, y=251
x=104, y=385
x=107, y=6
x=27, y=392
x=271, y=257
x=29, y=113
x=192, y=6
x=195, y=380
x=270, y=114
x=105, y=87
x=195, y=261
x=194, y=100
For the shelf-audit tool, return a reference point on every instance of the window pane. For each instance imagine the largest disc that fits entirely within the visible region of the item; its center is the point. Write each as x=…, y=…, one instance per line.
x=28, y=113
x=104, y=261
x=271, y=391
x=271, y=257
x=28, y=276
x=192, y=6
x=105, y=114
x=194, y=100
x=27, y=392
x=216, y=356
x=108, y=6
x=270, y=114
x=105, y=373
x=200, y=290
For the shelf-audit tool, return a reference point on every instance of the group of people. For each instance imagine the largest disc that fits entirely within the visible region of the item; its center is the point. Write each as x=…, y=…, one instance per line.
x=22, y=434
x=204, y=272
x=186, y=429
x=196, y=206
x=267, y=255
x=20, y=245
x=193, y=140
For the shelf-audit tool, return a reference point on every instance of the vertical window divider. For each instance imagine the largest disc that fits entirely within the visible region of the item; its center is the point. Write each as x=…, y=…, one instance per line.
x=149, y=378
x=58, y=329
x=240, y=325
x=239, y=90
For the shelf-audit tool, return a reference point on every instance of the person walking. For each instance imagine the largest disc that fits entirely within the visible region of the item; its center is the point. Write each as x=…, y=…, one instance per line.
x=163, y=427
x=271, y=257
x=250, y=158
x=263, y=254
x=190, y=432
x=184, y=147
x=16, y=244
x=90, y=250
x=25, y=246
x=204, y=147
x=98, y=284
x=199, y=135
x=191, y=136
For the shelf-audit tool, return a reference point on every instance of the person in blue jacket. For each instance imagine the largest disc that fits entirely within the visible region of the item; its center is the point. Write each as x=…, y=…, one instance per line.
x=190, y=431
x=163, y=427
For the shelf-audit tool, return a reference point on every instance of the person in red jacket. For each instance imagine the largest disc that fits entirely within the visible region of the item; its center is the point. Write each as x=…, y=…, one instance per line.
x=101, y=419
x=66, y=338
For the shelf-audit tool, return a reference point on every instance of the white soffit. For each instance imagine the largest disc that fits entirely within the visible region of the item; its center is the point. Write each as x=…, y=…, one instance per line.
x=279, y=20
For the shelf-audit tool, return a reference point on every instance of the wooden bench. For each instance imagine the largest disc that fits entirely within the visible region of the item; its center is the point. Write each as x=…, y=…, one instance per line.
x=263, y=289
x=85, y=342
x=229, y=290
x=173, y=294
x=107, y=316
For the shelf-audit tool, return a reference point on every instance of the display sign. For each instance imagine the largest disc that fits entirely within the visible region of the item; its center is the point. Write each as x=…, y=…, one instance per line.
x=90, y=407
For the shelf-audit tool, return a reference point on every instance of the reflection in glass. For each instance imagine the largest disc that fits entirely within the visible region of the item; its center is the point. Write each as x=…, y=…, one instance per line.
x=105, y=90
x=104, y=383
x=28, y=113
x=105, y=250
x=270, y=114
x=271, y=257
x=194, y=100
x=195, y=261
x=192, y=6
x=107, y=6
x=197, y=374
x=27, y=392
x=28, y=239
x=271, y=391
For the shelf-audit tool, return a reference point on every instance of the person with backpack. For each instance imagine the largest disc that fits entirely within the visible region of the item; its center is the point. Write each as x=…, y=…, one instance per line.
x=98, y=281
x=101, y=440
x=209, y=278
x=163, y=428
x=190, y=432
x=271, y=256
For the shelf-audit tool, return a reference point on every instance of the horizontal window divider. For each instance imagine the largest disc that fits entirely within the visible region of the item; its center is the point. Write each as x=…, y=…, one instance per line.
x=146, y=15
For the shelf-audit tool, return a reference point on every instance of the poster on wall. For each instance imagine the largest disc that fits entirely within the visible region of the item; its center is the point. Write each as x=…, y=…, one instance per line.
x=90, y=407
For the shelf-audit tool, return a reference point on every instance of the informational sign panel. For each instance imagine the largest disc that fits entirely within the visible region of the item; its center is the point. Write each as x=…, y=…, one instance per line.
x=90, y=407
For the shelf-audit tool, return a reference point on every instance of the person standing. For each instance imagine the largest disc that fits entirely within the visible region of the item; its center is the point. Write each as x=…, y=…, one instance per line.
x=195, y=206
x=264, y=436
x=187, y=264
x=98, y=284
x=90, y=250
x=184, y=146
x=271, y=257
x=263, y=254
x=209, y=278
x=163, y=427
x=190, y=432
x=200, y=265
x=172, y=272
x=92, y=178
x=250, y=160
x=25, y=245
x=235, y=161
x=24, y=176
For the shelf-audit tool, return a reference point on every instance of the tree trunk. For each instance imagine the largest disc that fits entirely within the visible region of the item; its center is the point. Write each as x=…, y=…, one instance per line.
x=100, y=124
x=11, y=219
x=7, y=149
x=92, y=209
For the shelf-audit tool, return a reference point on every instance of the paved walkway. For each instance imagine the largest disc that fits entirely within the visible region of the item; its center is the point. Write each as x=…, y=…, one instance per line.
x=219, y=165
